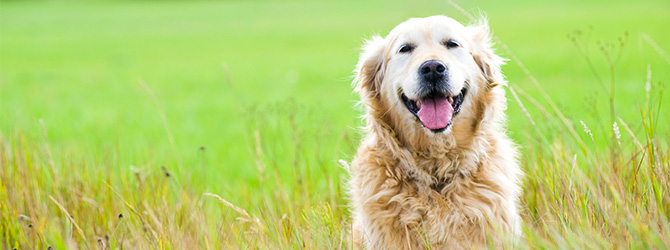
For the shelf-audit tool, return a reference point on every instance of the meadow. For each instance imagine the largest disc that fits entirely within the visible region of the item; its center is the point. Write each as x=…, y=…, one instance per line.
x=229, y=125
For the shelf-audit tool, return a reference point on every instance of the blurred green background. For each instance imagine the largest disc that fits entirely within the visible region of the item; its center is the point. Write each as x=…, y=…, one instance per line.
x=222, y=71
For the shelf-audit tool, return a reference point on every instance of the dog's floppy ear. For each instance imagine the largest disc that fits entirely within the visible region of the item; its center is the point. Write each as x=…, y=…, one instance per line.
x=483, y=54
x=370, y=68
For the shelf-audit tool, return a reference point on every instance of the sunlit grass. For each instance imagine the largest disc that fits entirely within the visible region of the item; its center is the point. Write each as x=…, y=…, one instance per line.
x=592, y=197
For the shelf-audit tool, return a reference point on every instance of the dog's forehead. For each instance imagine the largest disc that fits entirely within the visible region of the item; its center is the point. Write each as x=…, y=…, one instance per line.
x=433, y=27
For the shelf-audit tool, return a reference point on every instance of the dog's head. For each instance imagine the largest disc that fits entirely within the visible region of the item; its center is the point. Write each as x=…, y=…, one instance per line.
x=429, y=77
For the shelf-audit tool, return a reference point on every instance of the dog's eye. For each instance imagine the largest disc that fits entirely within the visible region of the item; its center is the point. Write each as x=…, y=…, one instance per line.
x=451, y=44
x=406, y=48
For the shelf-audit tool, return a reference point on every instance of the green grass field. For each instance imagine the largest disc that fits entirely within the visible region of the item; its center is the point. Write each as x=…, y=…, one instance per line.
x=125, y=114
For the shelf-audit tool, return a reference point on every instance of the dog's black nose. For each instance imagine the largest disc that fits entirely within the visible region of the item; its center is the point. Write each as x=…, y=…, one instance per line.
x=433, y=70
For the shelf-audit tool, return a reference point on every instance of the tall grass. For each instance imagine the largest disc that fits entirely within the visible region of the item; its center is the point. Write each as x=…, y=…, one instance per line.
x=577, y=193
x=581, y=195
x=76, y=201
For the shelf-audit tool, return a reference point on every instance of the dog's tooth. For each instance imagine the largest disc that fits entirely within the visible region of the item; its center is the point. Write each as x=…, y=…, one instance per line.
x=418, y=104
x=450, y=99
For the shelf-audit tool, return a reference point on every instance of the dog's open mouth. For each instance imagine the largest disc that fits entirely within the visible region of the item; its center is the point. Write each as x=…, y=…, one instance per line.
x=435, y=110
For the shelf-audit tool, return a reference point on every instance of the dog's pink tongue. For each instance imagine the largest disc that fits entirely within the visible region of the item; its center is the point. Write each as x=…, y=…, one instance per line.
x=435, y=112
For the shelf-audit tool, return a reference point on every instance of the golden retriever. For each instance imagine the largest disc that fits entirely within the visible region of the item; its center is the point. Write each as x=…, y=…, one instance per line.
x=435, y=169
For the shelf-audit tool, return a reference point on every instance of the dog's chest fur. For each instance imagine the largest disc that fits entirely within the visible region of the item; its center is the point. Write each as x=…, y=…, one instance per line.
x=448, y=201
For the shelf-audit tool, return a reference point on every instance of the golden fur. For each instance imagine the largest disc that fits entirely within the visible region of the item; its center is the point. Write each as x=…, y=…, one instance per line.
x=410, y=187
